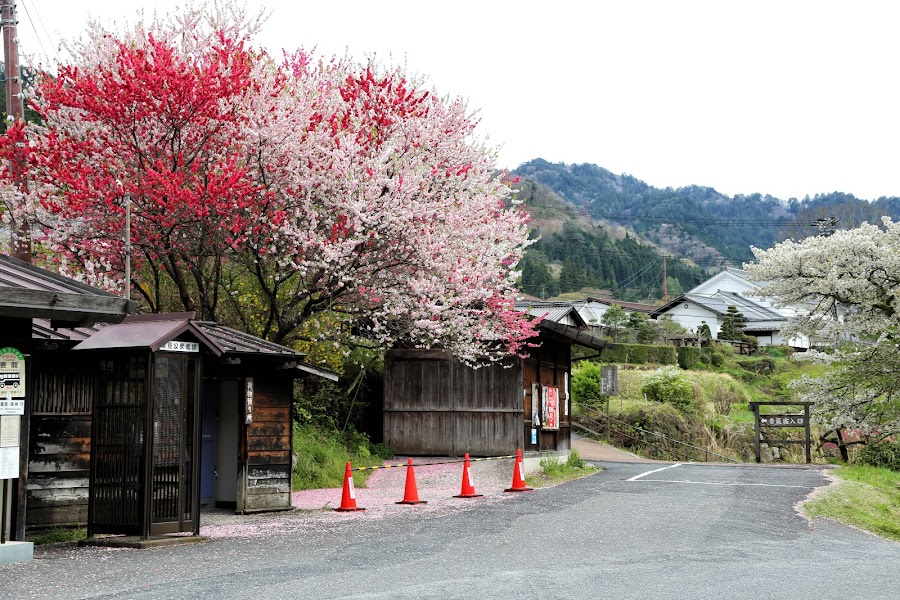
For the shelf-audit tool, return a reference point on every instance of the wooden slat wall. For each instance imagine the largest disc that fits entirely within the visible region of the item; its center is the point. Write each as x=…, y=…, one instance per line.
x=417, y=402
x=62, y=392
x=269, y=447
x=488, y=403
x=435, y=406
x=58, y=470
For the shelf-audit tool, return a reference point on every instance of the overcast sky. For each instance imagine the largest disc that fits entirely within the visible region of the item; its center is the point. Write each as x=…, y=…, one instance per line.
x=786, y=98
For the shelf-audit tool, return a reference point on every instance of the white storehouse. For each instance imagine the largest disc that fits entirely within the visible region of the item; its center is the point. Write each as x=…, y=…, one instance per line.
x=709, y=302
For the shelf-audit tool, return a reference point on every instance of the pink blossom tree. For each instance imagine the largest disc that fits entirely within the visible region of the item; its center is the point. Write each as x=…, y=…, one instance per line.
x=297, y=199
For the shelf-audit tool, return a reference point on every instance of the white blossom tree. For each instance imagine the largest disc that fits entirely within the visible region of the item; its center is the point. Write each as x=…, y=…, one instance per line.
x=848, y=285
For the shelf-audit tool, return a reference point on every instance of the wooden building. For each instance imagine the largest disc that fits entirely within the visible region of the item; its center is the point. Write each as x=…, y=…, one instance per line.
x=137, y=425
x=435, y=405
x=150, y=420
x=34, y=301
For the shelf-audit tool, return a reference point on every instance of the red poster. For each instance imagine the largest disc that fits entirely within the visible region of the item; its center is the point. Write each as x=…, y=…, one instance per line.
x=551, y=408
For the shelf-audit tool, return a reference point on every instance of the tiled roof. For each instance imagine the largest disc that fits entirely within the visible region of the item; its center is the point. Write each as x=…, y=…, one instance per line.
x=629, y=306
x=234, y=341
x=764, y=325
x=555, y=312
x=719, y=303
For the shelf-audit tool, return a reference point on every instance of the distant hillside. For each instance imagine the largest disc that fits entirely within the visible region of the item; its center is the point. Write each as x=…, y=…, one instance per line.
x=574, y=254
x=697, y=222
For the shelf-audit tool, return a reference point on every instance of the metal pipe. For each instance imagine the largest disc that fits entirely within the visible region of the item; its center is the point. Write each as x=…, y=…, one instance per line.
x=128, y=246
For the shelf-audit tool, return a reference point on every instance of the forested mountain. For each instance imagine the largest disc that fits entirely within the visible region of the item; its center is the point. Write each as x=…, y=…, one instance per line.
x=572, y=254
x=608, y=232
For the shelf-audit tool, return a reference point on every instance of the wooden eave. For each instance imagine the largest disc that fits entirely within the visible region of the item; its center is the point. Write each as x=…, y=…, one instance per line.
x=64, y=308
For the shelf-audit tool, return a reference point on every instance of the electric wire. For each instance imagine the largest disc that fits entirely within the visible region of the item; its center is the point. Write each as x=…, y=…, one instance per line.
x=34, y=28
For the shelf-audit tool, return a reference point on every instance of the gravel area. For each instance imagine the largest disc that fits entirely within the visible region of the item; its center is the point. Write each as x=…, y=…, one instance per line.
x=435, y=483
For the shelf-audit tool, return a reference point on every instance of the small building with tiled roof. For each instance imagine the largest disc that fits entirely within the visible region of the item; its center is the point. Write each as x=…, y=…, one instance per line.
x=692, y=310
x=133, y=423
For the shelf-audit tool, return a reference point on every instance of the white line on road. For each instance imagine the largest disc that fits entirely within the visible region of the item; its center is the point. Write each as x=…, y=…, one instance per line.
x=636, y=477
x=805, y=487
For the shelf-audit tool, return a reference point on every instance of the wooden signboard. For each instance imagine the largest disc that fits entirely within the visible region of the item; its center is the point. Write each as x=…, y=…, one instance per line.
x=800, y=421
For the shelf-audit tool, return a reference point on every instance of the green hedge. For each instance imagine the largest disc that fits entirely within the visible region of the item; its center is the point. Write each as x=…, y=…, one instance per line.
x=691, y=356
x=688, y=356
x=638, y=354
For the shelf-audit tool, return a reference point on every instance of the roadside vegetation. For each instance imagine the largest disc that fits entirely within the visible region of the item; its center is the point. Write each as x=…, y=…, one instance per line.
x=554, y=471
x=865, y=497
x=57, y=535
x=329, y=421
x=322, y=456
x=705, y=405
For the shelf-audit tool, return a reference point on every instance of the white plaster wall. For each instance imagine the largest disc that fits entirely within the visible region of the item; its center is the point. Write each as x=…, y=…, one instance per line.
x=689, y=315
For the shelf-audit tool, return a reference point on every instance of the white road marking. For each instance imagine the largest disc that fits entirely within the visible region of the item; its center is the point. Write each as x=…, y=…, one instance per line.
x=636, y=477
x=736, y=483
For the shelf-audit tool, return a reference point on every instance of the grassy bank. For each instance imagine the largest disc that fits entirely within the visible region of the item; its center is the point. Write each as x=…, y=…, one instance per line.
x=865, y=497
x=706, y=406
x=322, y=456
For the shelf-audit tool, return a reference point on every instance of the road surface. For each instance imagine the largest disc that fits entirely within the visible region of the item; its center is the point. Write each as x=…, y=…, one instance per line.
x=663, y=530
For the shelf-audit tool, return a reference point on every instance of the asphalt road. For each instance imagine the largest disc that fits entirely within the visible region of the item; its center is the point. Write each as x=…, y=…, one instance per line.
x=633, y=531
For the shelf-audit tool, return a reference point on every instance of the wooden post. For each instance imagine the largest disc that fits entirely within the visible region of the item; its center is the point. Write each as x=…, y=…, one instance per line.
x=808, y=437
x=20, y=232
x=755, y=408
x=24, y=428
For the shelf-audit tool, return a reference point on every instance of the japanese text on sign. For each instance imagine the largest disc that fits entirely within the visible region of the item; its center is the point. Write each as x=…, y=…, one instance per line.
x=12, y=374
x=175, y=346
x=249, y=397
x=10, y=406
x=783, y=420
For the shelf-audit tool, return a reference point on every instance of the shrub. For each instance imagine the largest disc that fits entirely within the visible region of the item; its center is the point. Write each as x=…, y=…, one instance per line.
x=688, y=356
x=586, y=384
x=574, y=461
x=717, y=359
x=759, y=366
x=668, y=384
x=881, y=454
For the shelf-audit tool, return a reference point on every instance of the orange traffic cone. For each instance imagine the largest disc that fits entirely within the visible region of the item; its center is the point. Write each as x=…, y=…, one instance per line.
x=410, y=495
x=348, y=498
x=468, y=490
x=518, y=483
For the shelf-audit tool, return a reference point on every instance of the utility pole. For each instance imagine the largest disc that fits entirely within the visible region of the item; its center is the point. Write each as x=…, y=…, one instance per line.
x=665, y=285
x=20, y=232
x=826, y=227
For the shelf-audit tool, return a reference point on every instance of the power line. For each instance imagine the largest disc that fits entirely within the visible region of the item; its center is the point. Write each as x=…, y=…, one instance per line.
x=636, y=275
x=36, y=35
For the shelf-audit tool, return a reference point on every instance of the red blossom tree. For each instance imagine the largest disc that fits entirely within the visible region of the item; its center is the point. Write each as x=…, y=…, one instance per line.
x=269, y=194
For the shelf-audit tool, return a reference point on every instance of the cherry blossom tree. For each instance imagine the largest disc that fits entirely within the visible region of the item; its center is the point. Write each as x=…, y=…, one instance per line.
x=848, y=288
x=298, y=199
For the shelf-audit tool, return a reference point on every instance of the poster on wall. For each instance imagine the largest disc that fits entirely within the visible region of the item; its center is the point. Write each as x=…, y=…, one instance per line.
x=535, y=405
x=9, y=463
x=551, y=408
